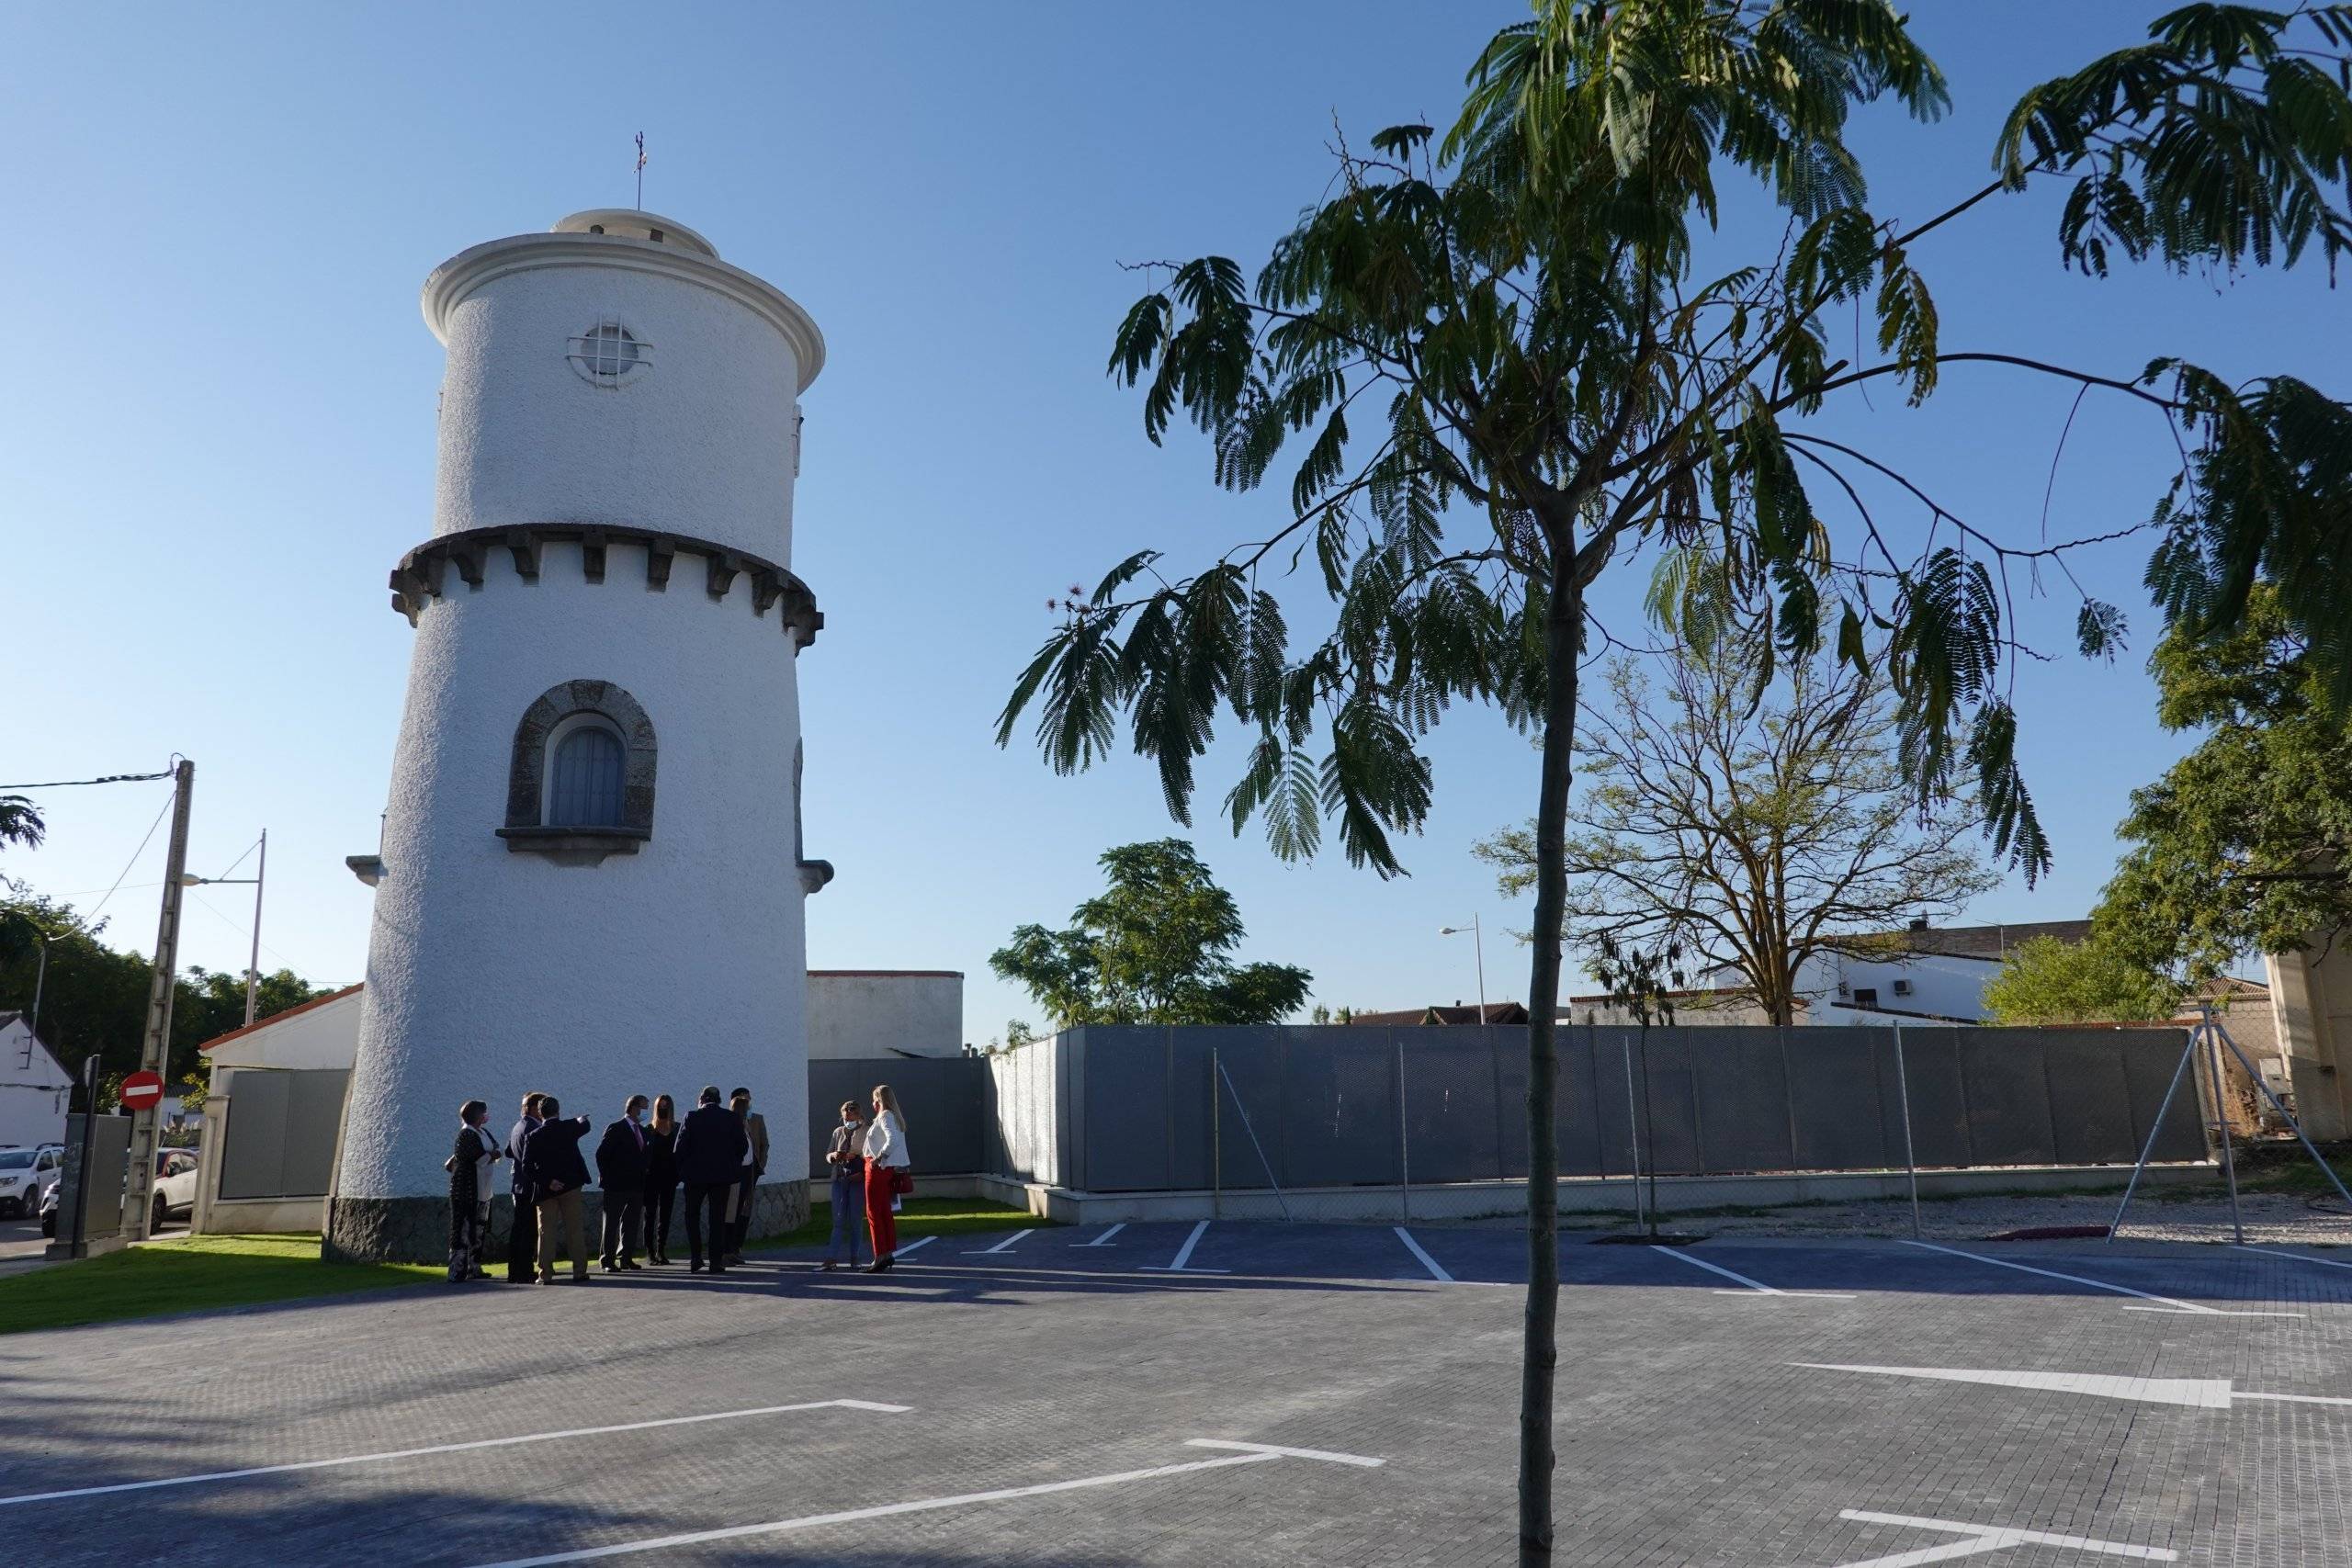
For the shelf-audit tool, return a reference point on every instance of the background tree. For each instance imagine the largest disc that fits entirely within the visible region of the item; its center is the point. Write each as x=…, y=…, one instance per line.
x=95, y=1000
x=1508, y=373
x=2244, y=845
x=2043, y=981
x=20, y=822
x=1752, y=831
x=1152, y=948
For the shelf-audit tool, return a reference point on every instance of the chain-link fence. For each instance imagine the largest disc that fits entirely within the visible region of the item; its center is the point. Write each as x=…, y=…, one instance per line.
x=1346, y=1123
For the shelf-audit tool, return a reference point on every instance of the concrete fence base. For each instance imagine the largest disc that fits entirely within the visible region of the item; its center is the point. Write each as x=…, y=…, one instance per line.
x=1491, y=1199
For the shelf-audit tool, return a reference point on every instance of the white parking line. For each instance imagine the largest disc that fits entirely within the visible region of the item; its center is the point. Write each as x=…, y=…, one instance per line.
x=2164, y=1303
x=453, y=1448
x=1185, y=1256
x=912, y=1245
x=1989, y=1537
x=1439, y=1275
x=999, y=1247
x=1104, y=1239
x=1251, y=1454
x=1751, y=1284
x=2298, y=1257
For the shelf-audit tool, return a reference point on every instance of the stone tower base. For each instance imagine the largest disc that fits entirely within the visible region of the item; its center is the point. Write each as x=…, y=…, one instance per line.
x=416, y=1230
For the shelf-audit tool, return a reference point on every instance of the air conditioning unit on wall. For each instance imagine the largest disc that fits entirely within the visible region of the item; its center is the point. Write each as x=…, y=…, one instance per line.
x=1902, y=988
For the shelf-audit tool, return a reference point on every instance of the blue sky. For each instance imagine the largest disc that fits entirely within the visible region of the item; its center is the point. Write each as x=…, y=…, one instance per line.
x=217, y=433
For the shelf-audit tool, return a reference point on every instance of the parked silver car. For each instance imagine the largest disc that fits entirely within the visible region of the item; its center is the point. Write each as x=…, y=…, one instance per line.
x=24, y=1172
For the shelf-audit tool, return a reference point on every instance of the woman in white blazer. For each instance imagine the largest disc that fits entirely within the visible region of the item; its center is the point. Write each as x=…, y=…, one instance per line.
x=886, y=1156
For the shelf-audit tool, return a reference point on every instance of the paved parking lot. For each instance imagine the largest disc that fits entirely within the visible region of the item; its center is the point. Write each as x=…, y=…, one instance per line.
x=1234, y=1393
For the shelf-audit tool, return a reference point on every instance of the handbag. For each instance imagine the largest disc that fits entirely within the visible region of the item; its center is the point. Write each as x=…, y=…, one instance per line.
x=903, y=1180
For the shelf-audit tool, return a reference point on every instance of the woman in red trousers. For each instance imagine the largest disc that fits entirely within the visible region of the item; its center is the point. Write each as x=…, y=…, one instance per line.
x=886, y=1155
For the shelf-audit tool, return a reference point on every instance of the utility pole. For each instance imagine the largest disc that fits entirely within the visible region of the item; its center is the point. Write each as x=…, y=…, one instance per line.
x=155, y=1050
x=253, y=964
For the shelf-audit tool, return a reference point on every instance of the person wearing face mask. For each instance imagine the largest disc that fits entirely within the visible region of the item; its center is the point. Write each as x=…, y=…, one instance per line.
x=620, y=1170
x=846, y=1159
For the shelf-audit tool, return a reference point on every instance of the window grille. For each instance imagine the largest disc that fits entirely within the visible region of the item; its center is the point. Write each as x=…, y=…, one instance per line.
x=609, y=354
x=586, y=792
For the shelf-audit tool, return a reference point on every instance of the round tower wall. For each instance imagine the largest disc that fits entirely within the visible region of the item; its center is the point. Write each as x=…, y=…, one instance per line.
x=695, y=433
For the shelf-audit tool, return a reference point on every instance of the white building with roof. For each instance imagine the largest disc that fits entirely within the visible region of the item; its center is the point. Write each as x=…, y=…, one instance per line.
x=34, y=1087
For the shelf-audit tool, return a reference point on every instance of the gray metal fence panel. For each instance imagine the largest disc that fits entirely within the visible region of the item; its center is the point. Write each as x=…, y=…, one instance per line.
x=2091, y=1099
x=2148, y=1065
x=252, y=1139
x=945, y=1100
x=2009, y=1116
x=1139, y=1109
x=1938, y=1096
x=1740, y=1094
x=1338, y=1115
x=1124, y=1107
x=313, y=1119
x=1667, y=1110
x=1842, y=1098
x=1450, y=1106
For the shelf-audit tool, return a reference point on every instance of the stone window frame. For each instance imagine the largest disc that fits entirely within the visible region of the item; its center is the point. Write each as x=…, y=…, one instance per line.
x=536, y=733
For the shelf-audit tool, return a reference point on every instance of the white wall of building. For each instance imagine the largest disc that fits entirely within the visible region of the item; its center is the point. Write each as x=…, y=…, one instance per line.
x=885, y=1012
x=322, y=1034
x=34, y=1088
x=1833, y=986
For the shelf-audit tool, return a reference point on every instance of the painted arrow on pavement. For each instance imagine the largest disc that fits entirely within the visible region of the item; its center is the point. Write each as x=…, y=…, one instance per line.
x=2201, y=1393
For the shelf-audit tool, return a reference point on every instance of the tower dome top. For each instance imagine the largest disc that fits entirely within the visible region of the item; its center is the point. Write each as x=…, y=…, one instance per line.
x=632, y=223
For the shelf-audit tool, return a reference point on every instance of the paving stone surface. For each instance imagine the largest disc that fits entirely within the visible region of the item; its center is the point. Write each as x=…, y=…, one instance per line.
x=1691, y=1428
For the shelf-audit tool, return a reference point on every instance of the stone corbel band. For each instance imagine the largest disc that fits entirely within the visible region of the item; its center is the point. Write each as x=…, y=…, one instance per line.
x=423, y=572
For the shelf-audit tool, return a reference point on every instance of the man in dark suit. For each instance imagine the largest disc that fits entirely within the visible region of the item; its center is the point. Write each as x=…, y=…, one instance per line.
x=711, y=1148
x=523, y=1231
x=620, y=1171
x=558, y=1178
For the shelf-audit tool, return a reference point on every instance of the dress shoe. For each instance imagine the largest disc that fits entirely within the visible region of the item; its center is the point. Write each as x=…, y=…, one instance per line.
x=695, y=1266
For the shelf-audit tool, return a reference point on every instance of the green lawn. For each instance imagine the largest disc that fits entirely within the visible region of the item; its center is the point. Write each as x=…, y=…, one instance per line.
x=189, y=1275
x=921, y=1217
x=197, y=1273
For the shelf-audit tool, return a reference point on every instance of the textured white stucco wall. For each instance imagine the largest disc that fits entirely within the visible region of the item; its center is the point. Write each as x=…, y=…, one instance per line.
x=699, y=440
x=864, y=1014
x=490, y=973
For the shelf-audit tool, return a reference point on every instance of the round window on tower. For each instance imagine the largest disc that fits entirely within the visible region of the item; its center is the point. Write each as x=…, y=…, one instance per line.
x=607, y=355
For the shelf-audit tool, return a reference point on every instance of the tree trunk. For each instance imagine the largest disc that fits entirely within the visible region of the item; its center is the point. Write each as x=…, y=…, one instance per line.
x=1540, y=1355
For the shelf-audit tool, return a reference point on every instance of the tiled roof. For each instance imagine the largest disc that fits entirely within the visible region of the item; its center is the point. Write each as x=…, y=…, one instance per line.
x=1980, y=941
x=280, y=1017
x=1410, y=1018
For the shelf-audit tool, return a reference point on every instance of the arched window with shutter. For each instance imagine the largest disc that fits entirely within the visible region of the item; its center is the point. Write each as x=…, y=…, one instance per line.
x=585, y=790
x=581, y=781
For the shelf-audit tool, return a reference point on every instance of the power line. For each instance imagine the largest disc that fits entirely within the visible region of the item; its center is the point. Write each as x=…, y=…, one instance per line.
x=90, y=919
x=110, y=778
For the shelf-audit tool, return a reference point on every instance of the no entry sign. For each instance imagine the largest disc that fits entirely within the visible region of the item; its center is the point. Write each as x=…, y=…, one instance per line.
x=142, y=1091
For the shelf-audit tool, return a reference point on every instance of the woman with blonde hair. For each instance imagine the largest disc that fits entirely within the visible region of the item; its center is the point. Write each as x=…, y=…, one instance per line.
x=661, y=1177
x=886, y=1175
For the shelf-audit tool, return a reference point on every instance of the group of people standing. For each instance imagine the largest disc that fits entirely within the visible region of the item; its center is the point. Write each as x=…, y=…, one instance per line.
x=717, y=1153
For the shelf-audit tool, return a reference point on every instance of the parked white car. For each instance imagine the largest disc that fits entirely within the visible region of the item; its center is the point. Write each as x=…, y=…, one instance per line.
x=24, y=1173
x=175, y=1187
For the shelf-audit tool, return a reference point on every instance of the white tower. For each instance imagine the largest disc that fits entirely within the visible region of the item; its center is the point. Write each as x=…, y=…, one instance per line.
x=591, y=879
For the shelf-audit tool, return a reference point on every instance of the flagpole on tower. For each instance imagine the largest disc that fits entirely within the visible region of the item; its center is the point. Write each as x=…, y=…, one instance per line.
x=640, y=171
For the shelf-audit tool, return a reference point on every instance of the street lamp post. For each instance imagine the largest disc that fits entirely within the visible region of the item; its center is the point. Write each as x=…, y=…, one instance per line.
x=253, y=964
x=40, y=979
x=1479, y=946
